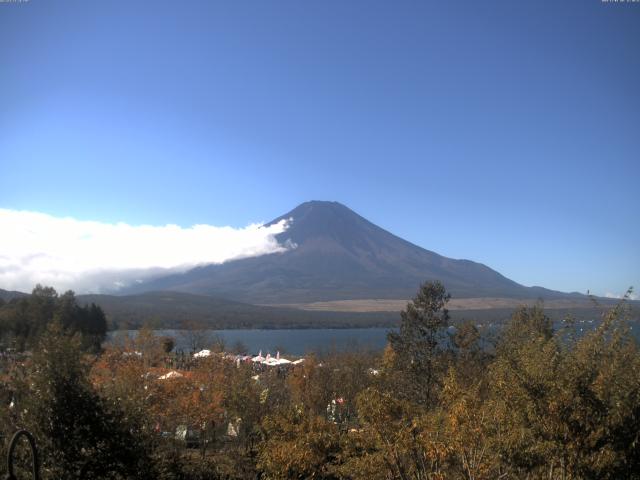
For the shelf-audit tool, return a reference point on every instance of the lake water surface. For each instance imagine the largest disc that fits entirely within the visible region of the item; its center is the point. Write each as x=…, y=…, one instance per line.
x=302, y=341
x=294, y=342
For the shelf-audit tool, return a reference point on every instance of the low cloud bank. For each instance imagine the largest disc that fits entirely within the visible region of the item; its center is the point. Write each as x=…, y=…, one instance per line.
x=632, y=296
x=89, y=256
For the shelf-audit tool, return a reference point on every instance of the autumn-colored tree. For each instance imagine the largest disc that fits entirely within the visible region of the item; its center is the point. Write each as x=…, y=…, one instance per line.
x=311, y=386
x=147, y=345
x=470, y=358
x=568, y=408
x=470, y=428
x=395, y=440
x=248, y=399
x=298, y=445
x=351, y=372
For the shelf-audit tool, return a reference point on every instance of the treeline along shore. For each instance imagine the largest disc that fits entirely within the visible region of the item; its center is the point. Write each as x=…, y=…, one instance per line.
x=544, y=402
x=167, y=310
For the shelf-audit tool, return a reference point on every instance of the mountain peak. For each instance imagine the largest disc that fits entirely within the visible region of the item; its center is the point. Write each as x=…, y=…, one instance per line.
x=340, y=255
x=314, y=207
x=322, y=220
x=322, y=203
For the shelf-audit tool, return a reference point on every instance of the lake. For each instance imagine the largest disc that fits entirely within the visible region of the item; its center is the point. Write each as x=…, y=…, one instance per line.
x=302, y=341
x=295, y=342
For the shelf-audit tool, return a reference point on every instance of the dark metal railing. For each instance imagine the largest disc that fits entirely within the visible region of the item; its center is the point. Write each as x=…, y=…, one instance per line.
x=34, y=455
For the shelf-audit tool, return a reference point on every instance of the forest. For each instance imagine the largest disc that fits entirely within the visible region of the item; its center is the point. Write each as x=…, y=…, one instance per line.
x=537, y=403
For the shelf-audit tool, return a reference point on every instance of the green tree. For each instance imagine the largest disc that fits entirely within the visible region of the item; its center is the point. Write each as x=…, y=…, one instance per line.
x=88, y=320
x=416, y=344
x=24, y=320
x=77, y=430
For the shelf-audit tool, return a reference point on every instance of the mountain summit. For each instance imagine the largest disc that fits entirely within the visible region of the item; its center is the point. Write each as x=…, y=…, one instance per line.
x=335, y=254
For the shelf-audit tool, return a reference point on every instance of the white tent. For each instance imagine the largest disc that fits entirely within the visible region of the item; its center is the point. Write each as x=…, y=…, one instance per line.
x=273, y=362
x=171, y=374
x=270, y=361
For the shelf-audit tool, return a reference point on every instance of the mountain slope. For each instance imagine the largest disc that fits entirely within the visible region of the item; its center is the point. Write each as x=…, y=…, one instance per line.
x=340, y=255
x=7, y=295
x=177, y=310
x=182, y=310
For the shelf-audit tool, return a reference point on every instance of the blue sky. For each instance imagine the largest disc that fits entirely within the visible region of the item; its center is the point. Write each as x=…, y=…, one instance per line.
x=503, y=132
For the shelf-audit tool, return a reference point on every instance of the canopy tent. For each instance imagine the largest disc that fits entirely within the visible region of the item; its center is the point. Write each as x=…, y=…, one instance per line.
x=171, y=374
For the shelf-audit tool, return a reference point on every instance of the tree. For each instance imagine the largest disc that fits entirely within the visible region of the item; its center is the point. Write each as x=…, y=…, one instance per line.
x=89, y=320
x=239, y=348
x=311, y=386
x=148, y=345
x=421, y=328
x=298, y=445
x=195, y=335
x=469, y=357
x=77, y=430
x=469, y=428
x=397, y=439
x=167, y=343
x=570, y=406
x=24, y=320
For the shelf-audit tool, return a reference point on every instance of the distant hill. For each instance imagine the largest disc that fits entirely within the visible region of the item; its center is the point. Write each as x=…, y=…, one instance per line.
x=183, y=310
x=340, y=255
x=7, y=295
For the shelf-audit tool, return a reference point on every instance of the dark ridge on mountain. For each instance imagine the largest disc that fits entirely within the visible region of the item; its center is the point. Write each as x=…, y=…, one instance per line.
x=338, y=255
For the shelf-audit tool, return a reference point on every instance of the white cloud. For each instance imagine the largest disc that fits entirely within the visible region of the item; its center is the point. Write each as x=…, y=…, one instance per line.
x=91, y=256
x=632, y=296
